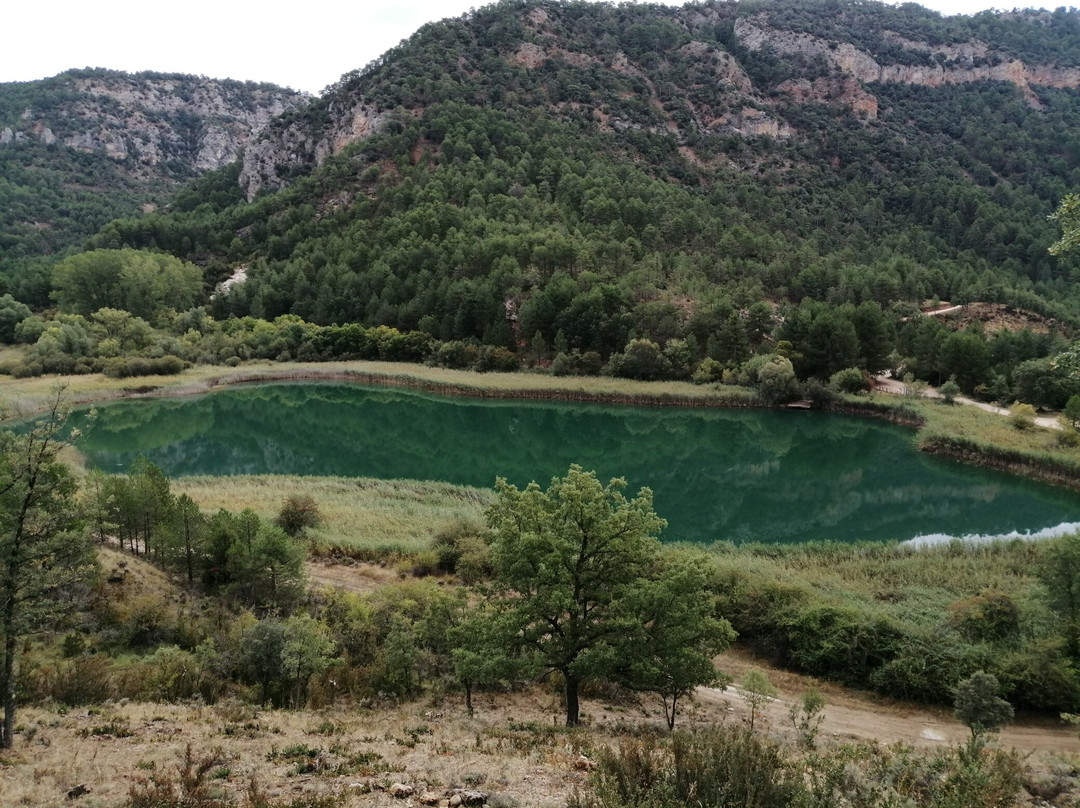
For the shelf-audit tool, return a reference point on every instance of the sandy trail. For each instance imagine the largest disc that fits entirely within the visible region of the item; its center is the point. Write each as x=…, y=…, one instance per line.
x=853, y=715
x=887, y=384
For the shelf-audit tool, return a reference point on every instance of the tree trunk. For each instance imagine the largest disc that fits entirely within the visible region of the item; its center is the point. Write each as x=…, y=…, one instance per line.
x=670, y=714
x=573, y=710
x=8, y=683
x=468, y=695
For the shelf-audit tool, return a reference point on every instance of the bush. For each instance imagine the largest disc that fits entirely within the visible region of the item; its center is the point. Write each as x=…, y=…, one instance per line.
x=297, y=514
x=1022, y=416
x=498, y=359
x=455, y=354
x=642, y=359
x=708, y=371
x=723, y=767
x=577, y=363
x=123, y=367
x=949, y=391
x=848, y=380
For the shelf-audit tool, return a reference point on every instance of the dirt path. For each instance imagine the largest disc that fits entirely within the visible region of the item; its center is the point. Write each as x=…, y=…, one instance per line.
x=849, y=714
x=887, y=384
x=853, y=715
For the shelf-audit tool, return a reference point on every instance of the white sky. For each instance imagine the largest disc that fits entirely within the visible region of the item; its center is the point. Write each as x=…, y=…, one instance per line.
x=306, y=47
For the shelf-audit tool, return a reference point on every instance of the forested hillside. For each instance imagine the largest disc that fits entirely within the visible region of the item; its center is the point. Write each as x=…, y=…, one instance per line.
x=652, y=187
x=87, y=146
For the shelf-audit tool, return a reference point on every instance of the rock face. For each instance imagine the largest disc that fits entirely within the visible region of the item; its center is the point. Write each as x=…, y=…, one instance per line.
x=184, y=124
x=294, y=146
x=963, y=63
x=686, y=83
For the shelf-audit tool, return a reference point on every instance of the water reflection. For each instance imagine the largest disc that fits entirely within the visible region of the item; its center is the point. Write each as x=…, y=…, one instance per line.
x=716, y=474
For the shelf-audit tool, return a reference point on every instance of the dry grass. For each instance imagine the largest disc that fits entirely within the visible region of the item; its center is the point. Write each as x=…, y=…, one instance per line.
x=393, y=515
x=23, y=397
x=512, y=748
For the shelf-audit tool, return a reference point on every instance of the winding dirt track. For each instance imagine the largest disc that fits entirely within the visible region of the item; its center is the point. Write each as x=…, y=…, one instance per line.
x=849, y=715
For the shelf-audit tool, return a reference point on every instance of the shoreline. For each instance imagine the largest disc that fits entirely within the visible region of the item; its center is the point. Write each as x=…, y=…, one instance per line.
x=94, y=389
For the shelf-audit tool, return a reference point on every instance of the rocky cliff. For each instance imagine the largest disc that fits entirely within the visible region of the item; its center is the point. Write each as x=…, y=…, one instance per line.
x=685, y=71
x=154, y=123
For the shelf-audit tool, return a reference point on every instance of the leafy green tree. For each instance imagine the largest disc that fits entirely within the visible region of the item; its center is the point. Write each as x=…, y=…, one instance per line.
x=671, y=649
x=965, y=356
x=479, y=645
x=266, y=570
x=259, y=656
x=979, y=706
x=306, y=653
x=758, y=691
x=1072, y=411
x=949, y=390
x=1059, y=569
x=641, y=359
x=566, y=560
x=848, y=380
x=186, y=539
x=128, y=332
x=1068, y=217
x=143, y=283
x=776, y=381
x=44, y=551
x=12, y=312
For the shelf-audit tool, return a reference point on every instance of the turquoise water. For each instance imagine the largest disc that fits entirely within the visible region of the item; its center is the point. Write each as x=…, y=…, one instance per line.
x=772, y=476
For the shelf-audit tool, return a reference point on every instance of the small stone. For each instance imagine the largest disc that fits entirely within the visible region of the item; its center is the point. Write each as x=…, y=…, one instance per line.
x=429, y=798
x=400, y=791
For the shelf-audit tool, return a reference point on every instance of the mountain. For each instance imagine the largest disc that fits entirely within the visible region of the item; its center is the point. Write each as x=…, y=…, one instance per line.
x=724, y=178
x=88, y=146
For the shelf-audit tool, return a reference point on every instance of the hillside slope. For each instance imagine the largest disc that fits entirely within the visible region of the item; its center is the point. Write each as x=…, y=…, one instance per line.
x=87, y=146
x=720, y=178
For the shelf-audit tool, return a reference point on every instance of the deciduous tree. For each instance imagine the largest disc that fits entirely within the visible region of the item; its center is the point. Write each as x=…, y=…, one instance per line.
x=566, y=561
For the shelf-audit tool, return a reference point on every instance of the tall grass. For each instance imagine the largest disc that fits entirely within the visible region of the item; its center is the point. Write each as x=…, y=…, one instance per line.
x=359, y=514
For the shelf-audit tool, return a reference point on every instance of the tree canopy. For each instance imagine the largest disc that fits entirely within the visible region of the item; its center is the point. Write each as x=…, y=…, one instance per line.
x=567, y=561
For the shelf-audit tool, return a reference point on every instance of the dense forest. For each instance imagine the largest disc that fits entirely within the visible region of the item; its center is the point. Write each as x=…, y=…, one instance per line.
x=661, y=192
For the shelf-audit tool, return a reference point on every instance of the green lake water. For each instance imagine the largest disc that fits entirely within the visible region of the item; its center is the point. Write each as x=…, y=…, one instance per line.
x=716, y=474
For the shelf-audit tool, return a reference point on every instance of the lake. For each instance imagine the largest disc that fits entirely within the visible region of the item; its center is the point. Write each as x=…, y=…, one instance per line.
x=739, y=475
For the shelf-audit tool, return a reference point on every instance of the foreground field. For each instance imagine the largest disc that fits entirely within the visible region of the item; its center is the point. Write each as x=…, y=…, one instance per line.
x=512, y=749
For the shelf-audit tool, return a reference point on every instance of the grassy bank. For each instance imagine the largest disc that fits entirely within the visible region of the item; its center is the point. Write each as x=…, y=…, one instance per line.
x=26, y=396
x=974, y=436
x=379, y=517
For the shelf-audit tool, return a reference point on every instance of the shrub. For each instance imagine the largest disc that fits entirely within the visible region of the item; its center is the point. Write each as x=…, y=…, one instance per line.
x=1022, y=416
x=724, y=767
x=708, y=371
x=297, y=514
x=848, y=380
x=949, y=391
x=496, y=358
x=123, y=367
x=455, y=354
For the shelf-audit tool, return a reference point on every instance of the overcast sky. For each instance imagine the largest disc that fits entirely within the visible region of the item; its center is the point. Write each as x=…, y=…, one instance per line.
x=305, y=45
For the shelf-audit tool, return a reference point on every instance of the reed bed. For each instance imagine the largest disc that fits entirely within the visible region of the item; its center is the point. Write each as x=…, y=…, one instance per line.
x=377, y=517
